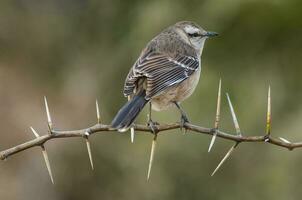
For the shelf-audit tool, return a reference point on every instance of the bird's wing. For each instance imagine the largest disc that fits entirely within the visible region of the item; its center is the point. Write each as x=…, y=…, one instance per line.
x=160, y=71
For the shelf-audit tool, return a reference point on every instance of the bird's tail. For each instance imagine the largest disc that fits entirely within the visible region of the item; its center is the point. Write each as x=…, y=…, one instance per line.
x=128, y=113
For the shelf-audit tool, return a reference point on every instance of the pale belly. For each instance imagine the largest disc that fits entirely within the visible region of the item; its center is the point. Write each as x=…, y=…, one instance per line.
x=176, y=93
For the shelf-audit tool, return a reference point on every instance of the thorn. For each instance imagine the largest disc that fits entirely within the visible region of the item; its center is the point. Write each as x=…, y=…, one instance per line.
x=236, y=124
x=34, y=132
x=151, y=156
x=132, y=134
x=268, y=114
x=48, y=114
x=217, y=118
x=89, y=151
x=212, y=142
x=97, y=111
x=131, y=129
x=47, y=163
x=284, y=140
x=225, y=157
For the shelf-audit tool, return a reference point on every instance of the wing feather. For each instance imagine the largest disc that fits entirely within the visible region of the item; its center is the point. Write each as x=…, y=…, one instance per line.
x=161, y=72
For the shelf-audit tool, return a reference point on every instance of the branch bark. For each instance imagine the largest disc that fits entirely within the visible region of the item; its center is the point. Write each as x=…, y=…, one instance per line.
x=102, y=128
x=236, y=137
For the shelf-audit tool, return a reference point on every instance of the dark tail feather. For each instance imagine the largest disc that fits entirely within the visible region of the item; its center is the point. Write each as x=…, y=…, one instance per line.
x=128, y=113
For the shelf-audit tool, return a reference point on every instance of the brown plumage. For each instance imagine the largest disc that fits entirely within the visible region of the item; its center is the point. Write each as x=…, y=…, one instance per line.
x=166, y=72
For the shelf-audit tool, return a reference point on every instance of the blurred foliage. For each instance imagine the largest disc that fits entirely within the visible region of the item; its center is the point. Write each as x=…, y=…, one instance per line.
x=74, y=51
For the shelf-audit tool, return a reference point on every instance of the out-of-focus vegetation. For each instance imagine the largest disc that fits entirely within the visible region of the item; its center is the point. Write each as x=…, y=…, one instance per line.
x=76, y=51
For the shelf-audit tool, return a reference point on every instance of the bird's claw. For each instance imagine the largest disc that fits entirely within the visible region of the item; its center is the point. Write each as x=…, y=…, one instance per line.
x=183, y=121
x=153, y=126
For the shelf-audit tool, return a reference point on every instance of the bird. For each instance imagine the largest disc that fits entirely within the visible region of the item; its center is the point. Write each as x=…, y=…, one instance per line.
x=165, y=74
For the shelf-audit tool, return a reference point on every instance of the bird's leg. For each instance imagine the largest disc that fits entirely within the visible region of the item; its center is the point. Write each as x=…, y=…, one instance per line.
x=183, y=118
x=151, y=123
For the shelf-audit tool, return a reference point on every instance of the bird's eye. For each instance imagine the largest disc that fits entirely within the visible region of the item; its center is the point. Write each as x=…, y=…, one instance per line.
x=194, y=34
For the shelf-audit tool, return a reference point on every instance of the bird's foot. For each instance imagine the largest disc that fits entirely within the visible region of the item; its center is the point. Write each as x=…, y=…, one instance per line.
x=153, y=126
x=183, y=121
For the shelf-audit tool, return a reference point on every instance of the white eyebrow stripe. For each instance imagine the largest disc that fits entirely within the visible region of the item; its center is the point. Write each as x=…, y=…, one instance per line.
x=191, y=29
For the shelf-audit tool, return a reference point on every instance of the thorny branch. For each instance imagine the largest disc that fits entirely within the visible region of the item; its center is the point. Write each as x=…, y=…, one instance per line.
x=99, y=128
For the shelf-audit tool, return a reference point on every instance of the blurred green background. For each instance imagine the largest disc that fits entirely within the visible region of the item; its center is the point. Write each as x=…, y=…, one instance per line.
x=75, y=51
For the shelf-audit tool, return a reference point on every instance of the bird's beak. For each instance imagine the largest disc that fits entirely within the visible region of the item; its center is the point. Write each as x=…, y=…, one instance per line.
x=211, y=34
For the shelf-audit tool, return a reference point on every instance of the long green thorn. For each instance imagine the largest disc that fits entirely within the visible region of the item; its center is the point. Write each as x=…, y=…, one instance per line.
x=151, y=156
x=48, y=114
x=97, y=112
x=217, y=118
x=212, y=141
x=34, y=132
x=284, y=140
x=47, y=163
x=236, y=124
x=132, y=134
x=268, y=114
x=44, y=155
x=225, y=157
x=89, y=150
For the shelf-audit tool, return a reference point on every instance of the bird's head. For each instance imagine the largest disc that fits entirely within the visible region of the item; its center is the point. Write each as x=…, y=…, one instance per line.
x=193, y=34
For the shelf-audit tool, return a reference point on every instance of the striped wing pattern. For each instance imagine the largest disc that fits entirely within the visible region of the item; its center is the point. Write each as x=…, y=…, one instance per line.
x=161, y=72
